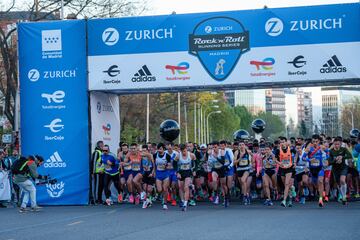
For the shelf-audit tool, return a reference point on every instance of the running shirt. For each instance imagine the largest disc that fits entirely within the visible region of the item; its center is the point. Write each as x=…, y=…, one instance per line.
x=126, y=166
x=286, y=158
x=315, y=157
x=172, y=157
x=146, y=164
x=135, y=161
x=200, y=162
x=346, y=155
x=301, y=164
x=229, y=158
x=215, y=161
x=184, y=163
x=161, y=162
x=269, y=163
x=244, y=161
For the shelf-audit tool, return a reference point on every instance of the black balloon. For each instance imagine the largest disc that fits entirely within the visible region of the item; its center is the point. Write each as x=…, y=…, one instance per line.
x=241, y=134
x=169, y=130
x=258, y=125
x=354, y=133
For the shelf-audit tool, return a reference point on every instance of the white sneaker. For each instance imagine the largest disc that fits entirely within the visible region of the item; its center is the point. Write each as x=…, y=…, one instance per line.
x=146, y=203
x=108, y=202
x=142, y=196
x=165, y=207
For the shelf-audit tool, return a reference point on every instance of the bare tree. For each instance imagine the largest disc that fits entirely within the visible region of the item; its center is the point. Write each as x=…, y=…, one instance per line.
x=48, y=9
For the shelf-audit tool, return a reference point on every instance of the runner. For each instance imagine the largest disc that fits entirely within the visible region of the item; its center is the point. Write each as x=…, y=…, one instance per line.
x=162, y=160
x=148, y=173
x=302, y=172
x=216, y=159
x=243, y=165
x=184, y=174
x=111, y=173
x=125, y=172
x=286, y=169
x=229, y=173
x=269, y=173
x=316, y=157
x=171, y=197
x=339, y=158
x=200, y=170
x=134, y=179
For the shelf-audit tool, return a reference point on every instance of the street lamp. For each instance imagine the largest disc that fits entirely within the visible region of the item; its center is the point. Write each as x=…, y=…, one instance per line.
x=207, y=125
x=202, y=127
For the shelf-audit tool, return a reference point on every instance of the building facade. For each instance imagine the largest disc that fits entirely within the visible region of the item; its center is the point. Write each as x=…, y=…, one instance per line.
x=275, y=102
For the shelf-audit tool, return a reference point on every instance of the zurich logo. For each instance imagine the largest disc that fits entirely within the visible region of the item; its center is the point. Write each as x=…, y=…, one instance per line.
x=110, y=36
x=55, y=125
x=274, y=27
x=219, y=52
x=33, y=75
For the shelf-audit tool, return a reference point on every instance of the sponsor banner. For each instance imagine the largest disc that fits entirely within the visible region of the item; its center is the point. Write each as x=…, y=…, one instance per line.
x=54, y=117
x=234, y=31
x=105, y=120
x=268, y=65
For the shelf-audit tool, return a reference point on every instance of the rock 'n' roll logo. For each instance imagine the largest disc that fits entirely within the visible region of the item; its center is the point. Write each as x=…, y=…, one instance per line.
x=219, y=42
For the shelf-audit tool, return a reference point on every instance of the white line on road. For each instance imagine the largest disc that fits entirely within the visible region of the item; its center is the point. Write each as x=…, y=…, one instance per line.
x=74, y=223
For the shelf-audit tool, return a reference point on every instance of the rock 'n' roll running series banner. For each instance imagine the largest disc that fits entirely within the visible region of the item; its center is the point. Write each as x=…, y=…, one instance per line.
x=254, y=48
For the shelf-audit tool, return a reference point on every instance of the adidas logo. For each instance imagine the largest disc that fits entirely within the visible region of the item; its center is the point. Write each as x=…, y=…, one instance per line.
x=333, y=65
x=55, y=161
x=143, y=75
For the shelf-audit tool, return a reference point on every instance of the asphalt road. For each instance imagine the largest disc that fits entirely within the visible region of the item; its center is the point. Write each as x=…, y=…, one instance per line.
x=204, y=221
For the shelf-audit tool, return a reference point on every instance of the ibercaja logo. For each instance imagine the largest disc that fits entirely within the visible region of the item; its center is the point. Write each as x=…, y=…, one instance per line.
x=219, y=42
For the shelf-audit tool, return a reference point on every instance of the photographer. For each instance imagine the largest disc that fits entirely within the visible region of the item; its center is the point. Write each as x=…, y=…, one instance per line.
x=24, y=171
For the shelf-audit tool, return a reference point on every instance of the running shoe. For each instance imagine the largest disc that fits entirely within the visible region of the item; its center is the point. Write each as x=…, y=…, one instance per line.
x=137, y=199
x=344, y=201
x=216, y=200
x=211, y=199
x=108, y=202
x=297, y=199
x=248, y=200
x=266, y=202
x=283, y=203
x=302, y=200
x=169, y=197
x=226, y=203
x=321, y=204
x=142, y=196
x=289, y=204
x=326, y=199
x=120, y=198
x=131, y=199
x=192, y=202
x=306, y=192
x=165, y=207
x=270, y=203
x=23, y=210
x=339, y=197
x=357, y=195
x=145, y=204
x=184, y=208
x=173, y=202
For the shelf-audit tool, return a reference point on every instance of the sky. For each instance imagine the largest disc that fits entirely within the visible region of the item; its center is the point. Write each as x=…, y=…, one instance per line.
x=192, y=6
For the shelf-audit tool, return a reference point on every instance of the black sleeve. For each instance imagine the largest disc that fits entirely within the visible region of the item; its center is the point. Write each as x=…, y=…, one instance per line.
x=154, y=157
x=221, y=160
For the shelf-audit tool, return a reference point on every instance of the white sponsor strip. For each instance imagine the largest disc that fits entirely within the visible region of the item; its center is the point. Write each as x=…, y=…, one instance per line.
x=315, y=55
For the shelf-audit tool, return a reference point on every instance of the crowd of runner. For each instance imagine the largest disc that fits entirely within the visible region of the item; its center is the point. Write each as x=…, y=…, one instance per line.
x=295, y=170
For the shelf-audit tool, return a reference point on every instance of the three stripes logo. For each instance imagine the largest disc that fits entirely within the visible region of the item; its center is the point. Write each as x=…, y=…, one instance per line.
x=143, y=75
x=333, y=65
x=55, y=161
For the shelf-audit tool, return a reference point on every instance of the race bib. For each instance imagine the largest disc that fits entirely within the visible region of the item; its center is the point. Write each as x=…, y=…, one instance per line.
x=315, y=162
x=127, y=166
x=185, y=167
x=217, y=165
x=243, y=162
x=135, y=167
x=161, y=167
x=286, y=163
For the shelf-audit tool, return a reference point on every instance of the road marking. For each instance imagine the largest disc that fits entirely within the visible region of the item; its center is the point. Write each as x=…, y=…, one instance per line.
x=74, y=223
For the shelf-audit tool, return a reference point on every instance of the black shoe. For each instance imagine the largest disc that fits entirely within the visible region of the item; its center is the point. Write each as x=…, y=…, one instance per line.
x=2, y=206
